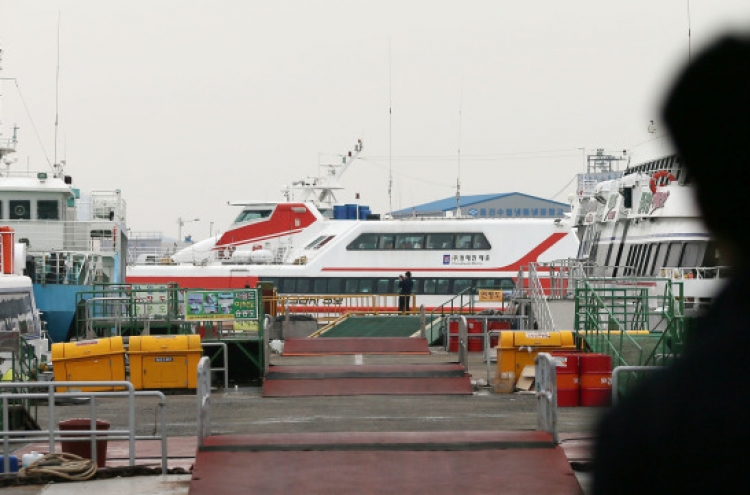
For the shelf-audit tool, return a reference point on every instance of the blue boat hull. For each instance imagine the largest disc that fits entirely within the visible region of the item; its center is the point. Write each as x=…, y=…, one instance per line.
x=57, y=304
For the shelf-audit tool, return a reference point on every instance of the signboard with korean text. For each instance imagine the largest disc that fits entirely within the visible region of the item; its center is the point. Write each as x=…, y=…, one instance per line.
x=222, y=305
x=151, y=300
x=490, y=295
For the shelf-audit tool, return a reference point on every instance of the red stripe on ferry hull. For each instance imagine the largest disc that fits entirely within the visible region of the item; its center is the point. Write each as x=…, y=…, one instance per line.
x=196, y=282
x=529, y=257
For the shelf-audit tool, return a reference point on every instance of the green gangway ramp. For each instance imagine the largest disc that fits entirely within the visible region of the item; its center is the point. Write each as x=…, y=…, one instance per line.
x=376, y=326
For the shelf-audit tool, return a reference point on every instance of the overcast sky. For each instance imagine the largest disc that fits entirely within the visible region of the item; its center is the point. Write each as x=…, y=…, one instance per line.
x=185, y=105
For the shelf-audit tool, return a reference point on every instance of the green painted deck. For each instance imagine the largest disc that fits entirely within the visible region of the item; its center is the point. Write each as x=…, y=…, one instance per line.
x=376, y=326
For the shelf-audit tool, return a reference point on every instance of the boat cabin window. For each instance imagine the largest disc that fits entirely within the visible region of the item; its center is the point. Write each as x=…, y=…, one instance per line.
x=367, y=241
x=387, y=241
x=436, y=286
x=367, y=285
x=418, y=241
x=674, y=254
x=440, y=241
x=409, y=241
x=460, y=285
x=20, y=209
x=303, y=285
x=48, y=209
x=385, y=286
x=692, y=253
x=248, y=215
x=463, y=241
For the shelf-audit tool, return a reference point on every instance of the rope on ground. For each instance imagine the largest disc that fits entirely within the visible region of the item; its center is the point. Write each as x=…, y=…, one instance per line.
x=61, y=465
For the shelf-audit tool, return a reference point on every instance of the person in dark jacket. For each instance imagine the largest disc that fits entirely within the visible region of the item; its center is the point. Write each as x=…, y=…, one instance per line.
x=686, y=429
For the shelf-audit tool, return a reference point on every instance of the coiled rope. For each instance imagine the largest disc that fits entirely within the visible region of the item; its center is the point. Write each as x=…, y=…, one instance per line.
x=61, y=465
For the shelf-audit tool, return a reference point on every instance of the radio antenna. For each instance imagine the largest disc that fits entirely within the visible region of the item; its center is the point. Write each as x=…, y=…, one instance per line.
x=458, y=177
x=390, y=129
x=57, y=89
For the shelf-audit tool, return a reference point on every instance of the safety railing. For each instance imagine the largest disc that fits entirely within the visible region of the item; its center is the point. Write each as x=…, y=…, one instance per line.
x=542, y=314
x=203, y=394
x=52, y=435
x=225, y=354
x=610, y=313
x=546, y=394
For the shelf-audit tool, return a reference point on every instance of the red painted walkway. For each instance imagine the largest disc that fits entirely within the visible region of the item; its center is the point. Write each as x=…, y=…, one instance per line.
x=414, y=379
x=443, y=463
x=355, y=345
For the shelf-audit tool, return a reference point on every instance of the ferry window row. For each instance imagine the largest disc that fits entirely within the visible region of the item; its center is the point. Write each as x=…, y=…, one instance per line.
x=344, y=285
x=25, y=209
x=647, y=259
x=419, y=241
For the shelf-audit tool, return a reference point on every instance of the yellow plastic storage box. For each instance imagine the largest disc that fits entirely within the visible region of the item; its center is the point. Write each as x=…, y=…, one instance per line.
x=517, y=349
x=89, y=360
x=164, y=361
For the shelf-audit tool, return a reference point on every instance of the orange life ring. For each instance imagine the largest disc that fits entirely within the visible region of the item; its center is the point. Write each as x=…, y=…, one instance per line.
x=662, y=177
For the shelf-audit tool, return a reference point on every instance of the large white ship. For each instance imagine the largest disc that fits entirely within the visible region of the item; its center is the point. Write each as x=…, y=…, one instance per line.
x=644, y=223
x=313, y=246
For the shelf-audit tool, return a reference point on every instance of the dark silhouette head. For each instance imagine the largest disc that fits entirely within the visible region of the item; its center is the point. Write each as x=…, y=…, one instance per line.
x=408, y=274
x=707, y=113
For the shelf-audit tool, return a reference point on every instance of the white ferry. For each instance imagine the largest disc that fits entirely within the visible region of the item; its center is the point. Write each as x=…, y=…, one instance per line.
x=314, y=246
x=645, y=224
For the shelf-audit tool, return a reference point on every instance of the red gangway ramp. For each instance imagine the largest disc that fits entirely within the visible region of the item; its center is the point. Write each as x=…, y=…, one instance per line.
x=430, y=463
x=355, y=345
x=380, y=379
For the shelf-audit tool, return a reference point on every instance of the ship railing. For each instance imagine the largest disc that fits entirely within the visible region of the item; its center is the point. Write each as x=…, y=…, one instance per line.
x=461, y=303
x=66, y=267
x=45, y=236
x=53, y=433
x=627, y=320
x=542, y=313
x=696, y=272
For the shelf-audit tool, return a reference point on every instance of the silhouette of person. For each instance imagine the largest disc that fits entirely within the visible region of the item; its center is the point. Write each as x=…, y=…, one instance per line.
x=686, y=428
x=409, y=288
x=402, y=294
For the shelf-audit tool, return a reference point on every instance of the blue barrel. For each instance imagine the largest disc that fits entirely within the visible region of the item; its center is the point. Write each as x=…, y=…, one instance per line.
x=351, y=212
x=363, y=212
x=339, y=212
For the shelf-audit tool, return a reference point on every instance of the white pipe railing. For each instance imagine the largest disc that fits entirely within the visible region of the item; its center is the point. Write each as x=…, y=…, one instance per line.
x=546, y=394
x=53, y=435
x=203, y=393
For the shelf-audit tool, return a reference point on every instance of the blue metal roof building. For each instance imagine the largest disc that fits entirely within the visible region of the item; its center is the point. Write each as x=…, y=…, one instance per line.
x=504, y=205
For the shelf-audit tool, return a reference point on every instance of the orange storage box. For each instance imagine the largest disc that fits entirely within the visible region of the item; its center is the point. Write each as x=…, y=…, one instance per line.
x=164, y=361
x=89, y=360
x=517, y=349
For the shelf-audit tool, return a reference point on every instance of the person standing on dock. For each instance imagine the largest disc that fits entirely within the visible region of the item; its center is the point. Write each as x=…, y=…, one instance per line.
x=402, y=297
x=685, y=429
x=409, y=289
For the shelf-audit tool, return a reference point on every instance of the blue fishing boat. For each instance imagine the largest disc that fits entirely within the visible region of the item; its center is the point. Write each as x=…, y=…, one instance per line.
x=67, y=242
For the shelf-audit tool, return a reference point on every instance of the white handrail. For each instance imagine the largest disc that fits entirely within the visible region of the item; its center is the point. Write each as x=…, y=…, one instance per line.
x=53, y=435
